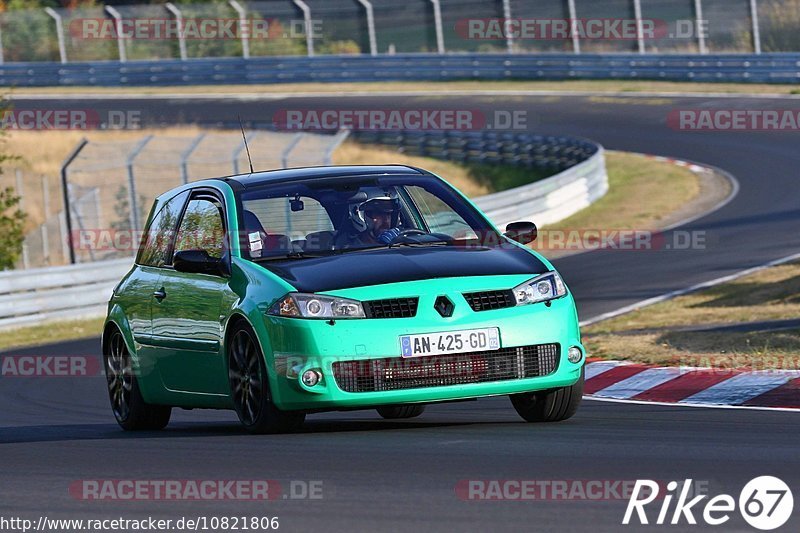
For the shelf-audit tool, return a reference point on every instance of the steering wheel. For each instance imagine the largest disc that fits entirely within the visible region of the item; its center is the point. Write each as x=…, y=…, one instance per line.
x=411, y=231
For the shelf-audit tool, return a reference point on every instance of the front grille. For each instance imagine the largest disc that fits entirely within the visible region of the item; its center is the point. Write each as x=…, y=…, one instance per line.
x=488, y=300
x=396, y=373
x=391, y=308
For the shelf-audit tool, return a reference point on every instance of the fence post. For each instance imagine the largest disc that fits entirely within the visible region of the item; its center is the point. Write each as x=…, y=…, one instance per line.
x=756, y=26
x=637, y=13
x=309, y=28
x=179, y=21
x=243, y=27
x=507, y=17
x=46, y=207
x=573, y=27
x=338, y=139
x=62, y=47
x=238, y=151
x=79, y=218
x=65, y=191
x=698, y=16
x=437, y=21
x=132, y=181
x=373, y=42
x=66, y=242
x=1, y=48
x=123, y=55
x=186, y=155
x=288, y=149
x=20, y=191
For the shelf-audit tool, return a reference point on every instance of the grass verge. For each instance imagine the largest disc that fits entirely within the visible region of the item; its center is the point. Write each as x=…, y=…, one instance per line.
x=54, y=331
x=644, y=194
x=686, y=330
x=609, y=86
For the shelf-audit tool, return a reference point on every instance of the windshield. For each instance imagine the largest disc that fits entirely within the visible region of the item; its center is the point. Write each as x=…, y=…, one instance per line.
x=340, y=215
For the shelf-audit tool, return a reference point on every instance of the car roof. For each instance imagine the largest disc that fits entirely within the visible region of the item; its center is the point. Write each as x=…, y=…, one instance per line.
x=333, y=171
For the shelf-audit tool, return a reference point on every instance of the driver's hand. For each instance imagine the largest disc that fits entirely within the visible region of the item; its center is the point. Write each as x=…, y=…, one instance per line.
x=386, y=237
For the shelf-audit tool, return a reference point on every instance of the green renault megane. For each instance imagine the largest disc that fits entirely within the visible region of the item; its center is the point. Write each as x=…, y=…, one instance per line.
x=287, y=292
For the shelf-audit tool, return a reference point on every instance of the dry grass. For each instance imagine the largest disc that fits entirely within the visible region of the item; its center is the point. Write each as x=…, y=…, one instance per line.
x=54, y=332
x=41, y=154
x=651, y=334
x=642, y=194
x=352, y=153
x=632, y=86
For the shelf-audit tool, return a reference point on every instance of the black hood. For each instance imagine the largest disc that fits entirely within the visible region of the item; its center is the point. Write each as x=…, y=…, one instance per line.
x=377, y=267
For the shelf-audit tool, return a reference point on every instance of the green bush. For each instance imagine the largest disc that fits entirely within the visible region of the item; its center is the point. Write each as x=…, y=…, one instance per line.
x=12, y=222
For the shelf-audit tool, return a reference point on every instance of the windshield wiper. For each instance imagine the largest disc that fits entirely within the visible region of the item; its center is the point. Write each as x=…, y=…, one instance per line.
x=296, y=254
x=418, y=244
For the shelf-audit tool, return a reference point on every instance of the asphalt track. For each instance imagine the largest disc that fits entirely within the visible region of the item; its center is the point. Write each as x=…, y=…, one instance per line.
x=402, y=476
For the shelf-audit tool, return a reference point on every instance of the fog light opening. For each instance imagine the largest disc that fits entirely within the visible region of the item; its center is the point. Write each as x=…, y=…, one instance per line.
x=311, y=377
x=574, y=355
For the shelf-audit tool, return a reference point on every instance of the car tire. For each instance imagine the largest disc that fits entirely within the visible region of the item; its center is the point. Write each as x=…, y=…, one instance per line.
x=250, y=391
x=393, y=412
x=549, y=406
x=130, y=409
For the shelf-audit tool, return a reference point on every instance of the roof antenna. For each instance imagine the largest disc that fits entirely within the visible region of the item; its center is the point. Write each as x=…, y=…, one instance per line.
x=244, y=138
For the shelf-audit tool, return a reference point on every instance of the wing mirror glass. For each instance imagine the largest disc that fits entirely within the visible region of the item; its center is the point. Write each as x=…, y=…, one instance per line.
x=197, y=262
x=522, y=232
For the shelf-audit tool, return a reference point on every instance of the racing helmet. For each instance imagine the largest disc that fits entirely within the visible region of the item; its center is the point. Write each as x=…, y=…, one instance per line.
x=367, y=200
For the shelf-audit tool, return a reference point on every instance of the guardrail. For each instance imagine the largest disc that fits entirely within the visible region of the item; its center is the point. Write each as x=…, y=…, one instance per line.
x=75, y=291
x=34, y=295
x=578, y=164
x=749, y=68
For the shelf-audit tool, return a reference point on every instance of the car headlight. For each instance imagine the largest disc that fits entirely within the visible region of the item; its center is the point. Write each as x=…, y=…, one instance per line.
x=540, y=289
x=301, y=305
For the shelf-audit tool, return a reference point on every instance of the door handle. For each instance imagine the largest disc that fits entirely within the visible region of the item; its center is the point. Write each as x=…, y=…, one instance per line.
x=160, y=294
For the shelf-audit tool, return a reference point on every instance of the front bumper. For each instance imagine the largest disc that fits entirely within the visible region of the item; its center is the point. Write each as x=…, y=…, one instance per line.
x=297, y=345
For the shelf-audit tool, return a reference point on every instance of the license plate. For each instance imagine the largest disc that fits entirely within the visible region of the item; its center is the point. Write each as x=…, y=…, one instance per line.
x=464, y=341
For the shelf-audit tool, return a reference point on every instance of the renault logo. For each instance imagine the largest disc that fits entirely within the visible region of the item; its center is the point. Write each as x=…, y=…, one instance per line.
x=444, y=306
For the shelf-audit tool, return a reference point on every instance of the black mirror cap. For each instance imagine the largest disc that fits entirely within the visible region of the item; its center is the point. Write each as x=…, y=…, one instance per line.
x=197, y=262
x=522, y=232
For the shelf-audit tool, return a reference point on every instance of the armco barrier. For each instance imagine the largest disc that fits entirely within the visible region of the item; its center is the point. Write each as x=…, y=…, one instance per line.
x=578, y=164
x=34, y=295
x=763, y=68
x=76, y=291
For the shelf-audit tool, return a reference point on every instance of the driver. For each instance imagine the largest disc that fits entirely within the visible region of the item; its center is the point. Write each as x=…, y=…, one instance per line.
x=375, y=217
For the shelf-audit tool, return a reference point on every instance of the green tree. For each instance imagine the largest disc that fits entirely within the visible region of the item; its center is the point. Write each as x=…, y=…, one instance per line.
x=122, y=208
x=12, y=222
x=12, y=218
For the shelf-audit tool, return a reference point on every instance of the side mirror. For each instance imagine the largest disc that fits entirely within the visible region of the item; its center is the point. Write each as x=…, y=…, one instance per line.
x=522, y=232
x=197, y=262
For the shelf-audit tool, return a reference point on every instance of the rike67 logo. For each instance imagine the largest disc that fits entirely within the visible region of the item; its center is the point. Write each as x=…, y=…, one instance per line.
x=765, y=503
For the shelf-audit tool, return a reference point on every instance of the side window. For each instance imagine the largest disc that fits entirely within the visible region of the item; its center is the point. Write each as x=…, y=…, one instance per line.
x=201, y=227
x=440, y=217
x=159, y=234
